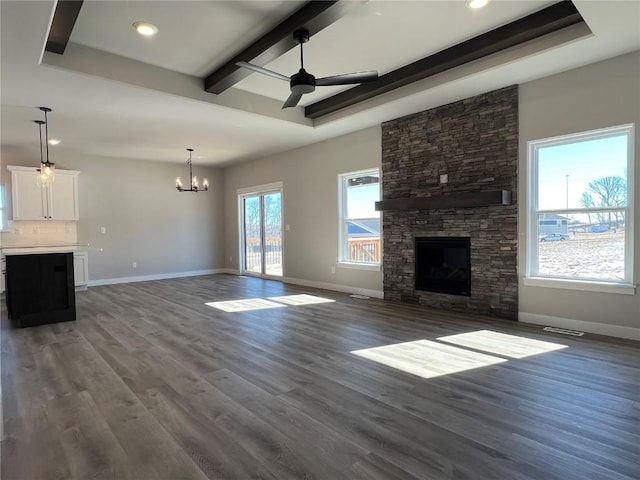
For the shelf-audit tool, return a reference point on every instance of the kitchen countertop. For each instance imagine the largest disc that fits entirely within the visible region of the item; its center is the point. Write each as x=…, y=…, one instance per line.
x=42, y=249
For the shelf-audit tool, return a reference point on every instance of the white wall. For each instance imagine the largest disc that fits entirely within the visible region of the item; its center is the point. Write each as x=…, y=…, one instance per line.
x=310, y=207
x=600, y=95
x=147, y=221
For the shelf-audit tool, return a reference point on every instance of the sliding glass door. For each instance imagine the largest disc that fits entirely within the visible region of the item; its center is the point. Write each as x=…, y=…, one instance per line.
x=262, y=233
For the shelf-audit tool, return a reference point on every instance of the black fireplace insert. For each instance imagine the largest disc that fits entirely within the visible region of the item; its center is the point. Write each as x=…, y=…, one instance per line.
x=443, y=265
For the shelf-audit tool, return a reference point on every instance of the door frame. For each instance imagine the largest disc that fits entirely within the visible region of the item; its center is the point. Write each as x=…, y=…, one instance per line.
x=242, y=193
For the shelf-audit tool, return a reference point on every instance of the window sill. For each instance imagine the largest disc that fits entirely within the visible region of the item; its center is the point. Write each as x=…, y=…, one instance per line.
x=587, y=286
x=374, y=267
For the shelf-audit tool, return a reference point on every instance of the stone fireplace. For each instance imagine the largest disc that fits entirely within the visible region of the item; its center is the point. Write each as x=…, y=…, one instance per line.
x=474, y=142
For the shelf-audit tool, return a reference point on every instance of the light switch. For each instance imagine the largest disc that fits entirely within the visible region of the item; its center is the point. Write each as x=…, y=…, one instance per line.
x=287, y=227
x=444, y=178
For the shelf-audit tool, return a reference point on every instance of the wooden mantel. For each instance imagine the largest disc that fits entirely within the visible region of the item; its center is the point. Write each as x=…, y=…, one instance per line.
x=457, y=200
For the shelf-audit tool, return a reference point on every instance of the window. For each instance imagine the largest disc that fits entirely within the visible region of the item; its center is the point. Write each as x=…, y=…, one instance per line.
x=580, y=207
x=359, y=221
x=3, y=210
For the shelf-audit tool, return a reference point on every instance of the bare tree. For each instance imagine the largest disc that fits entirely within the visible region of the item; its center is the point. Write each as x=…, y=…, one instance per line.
x=587, y=202
x=606, y=192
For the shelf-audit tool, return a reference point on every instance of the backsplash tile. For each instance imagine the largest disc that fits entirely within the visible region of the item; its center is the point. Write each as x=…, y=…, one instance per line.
x=39, y=233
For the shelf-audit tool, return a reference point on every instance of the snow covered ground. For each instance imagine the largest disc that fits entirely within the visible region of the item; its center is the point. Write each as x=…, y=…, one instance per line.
x=588, y=255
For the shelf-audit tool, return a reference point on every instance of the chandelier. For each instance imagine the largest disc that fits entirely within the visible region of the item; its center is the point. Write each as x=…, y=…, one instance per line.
x=193, y=181
x=47, y=170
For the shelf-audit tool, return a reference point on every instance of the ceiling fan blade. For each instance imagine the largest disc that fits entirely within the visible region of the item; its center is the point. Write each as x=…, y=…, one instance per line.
x=293, y=100
x=263, y=71
x=348, y=78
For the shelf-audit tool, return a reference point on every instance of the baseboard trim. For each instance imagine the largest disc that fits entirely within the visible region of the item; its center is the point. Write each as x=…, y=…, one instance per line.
x=334, y=287
x=590, y=327
x=160, y=276
x=230, y=271
x=310, y=283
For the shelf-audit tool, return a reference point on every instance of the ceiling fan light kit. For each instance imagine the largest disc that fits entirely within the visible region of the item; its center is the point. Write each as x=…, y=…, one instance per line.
x=303, y=82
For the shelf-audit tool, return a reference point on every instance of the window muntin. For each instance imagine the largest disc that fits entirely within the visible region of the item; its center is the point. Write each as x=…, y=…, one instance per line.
x=580, y=216
x=359, y=221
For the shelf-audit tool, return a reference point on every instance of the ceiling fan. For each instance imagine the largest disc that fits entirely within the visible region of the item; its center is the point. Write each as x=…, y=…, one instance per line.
x=303, y=82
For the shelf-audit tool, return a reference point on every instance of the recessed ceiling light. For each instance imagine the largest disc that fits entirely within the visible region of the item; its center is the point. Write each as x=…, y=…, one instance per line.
x=145, y=29
x=54, y=141
x=378, y=14
x=475, y=4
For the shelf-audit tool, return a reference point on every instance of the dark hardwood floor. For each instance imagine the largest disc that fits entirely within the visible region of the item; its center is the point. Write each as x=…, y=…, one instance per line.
x=151, y=383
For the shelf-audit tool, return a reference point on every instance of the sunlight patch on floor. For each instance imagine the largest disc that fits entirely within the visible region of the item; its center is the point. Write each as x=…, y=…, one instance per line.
x=245, y=305
x=427, y=359
x=502, y=344
x=302, y=299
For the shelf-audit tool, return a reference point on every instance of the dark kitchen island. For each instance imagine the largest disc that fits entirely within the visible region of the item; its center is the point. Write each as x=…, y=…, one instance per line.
x=40, y=288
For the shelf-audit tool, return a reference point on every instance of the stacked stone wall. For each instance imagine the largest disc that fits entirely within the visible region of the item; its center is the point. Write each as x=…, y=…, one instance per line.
x=475, y=142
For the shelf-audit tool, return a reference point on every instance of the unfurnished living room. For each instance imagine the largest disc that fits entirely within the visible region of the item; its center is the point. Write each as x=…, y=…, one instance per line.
x=352, y=239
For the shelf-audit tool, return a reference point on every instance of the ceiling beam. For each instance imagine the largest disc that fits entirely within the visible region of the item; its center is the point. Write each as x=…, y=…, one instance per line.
x=62, y=25
x=314, y=16
x=548, y=20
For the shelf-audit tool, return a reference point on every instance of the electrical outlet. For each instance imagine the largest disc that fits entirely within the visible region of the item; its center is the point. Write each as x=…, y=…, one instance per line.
x=287, y=227
x=444, y=178
x=103, y=230
x=333, y=269
x=134, y=264
x=230, y=258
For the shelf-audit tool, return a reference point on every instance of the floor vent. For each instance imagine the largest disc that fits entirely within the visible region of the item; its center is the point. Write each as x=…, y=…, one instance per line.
x=563, y=331
x=360, y=297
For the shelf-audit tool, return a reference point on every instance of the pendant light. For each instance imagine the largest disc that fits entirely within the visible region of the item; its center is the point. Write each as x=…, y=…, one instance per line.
x=193, y=181
x=47, y=170
x=41, y=178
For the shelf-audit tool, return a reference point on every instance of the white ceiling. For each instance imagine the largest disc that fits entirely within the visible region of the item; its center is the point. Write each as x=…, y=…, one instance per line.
x=194, y=36
x=116, y=94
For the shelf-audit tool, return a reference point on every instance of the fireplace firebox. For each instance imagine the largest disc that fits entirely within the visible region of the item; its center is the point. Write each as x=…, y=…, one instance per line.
x=443, y=265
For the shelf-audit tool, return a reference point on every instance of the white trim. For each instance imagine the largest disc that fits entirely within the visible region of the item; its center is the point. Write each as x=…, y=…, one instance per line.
x=334, y=287
x=228, y=271
x=258, y=189
x=588, y=286
x=631, y=210
x=590, y=327
x=160, y=276
x=374, y=267
x=533, y=211
x=595, y=134
x=343, y=243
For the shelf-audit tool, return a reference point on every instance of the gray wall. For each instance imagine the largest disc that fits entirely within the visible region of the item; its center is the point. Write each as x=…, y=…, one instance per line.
x=600, y=95
x=147, y=221
x=310, y=205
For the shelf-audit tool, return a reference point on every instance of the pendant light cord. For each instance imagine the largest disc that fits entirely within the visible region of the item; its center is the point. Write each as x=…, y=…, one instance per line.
x=40, y=128
x=46, y=128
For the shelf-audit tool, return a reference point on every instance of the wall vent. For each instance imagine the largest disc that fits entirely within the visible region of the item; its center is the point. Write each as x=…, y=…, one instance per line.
x=563, y=331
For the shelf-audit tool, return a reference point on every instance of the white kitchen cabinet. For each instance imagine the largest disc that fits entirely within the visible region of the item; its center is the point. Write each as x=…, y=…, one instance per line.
x=81, y=270
x=3, y=269
x=57, y=201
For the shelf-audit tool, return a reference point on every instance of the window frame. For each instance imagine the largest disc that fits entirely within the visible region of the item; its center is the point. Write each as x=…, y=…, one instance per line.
x=343, y=242
x=533, y=277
